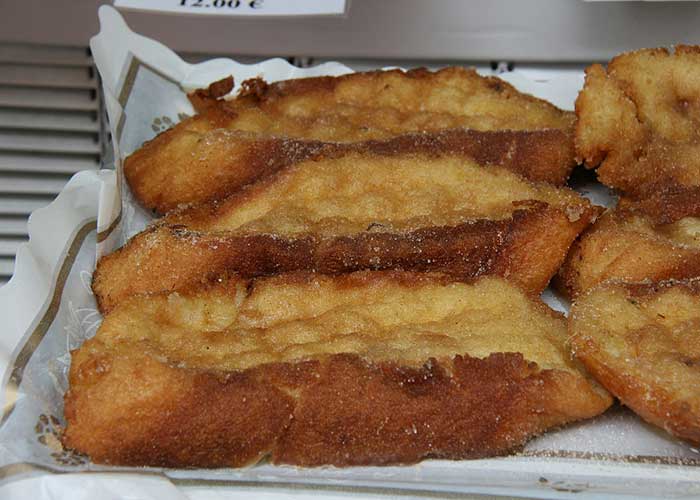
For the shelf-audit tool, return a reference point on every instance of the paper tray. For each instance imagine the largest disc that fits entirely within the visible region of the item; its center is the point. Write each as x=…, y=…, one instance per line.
x=49, y=309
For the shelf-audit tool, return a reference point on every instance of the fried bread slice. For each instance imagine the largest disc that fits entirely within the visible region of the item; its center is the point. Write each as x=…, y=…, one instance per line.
x=365, y=368
x=654, y=239
x=196, y=160
x=181, y=167
x=639, y=121
x=642, y=342
x=354, y=212
x=380, y=104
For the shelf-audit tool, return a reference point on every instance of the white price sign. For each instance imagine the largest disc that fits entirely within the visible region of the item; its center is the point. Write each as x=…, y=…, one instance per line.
x=239, y=7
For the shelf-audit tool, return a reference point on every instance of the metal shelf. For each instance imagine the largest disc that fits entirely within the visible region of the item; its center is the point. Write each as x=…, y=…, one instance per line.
x=49, y=129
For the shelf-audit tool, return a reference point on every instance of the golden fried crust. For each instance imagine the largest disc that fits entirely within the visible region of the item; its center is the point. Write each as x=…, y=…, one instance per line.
x=126, y=408
x=197, y=160
x=359, y=211
x=453, y=91
x=185, y=166
x=181, y=166
x=351, y=193
x=203, y=99
x=367, y=368
x=641, y=342
x=347, y=411
x=666, y=206
x=387, y=315
x=375, y=415
x=639, y=121
x=526, y=248
x=627, y=244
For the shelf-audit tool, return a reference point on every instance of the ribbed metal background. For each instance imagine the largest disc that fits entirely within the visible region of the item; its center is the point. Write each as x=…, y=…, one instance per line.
x=49, y=129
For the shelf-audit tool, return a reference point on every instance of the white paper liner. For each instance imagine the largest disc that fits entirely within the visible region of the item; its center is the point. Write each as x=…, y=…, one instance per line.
x=49, y=309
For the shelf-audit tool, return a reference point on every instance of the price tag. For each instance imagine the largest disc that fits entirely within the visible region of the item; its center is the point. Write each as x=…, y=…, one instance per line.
x=239, y=7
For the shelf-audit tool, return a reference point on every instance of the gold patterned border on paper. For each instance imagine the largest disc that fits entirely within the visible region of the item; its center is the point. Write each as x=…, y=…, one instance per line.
x=43, y=322
x=127, y=87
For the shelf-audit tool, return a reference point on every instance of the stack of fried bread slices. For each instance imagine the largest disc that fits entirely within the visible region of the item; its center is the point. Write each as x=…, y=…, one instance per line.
x=347, y=271
x=635, y=322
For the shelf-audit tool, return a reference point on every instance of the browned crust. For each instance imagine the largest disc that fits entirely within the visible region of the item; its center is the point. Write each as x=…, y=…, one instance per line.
x=256, y=89
x=666, y=413
x=666, y=206
x=130, y=409
x=631, y=255
x=648, y=289
x=537, y=155
x=215, y=153
x=568, y=280
x=163, y=178
x=623, y=113
x=527, y=249
x=203, y=99
x=649, y=397
x=395, y=100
